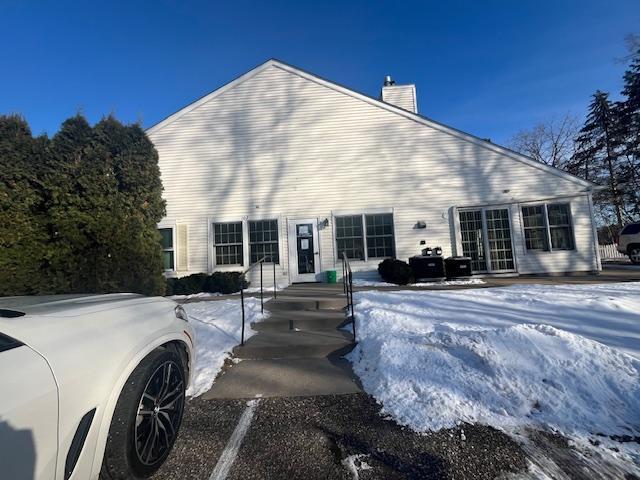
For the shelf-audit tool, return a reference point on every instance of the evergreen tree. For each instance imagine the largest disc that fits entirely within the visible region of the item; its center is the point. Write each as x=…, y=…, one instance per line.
x=22, y=229
x=598, y=153
x=138, y=204
x=630, y=125
x=79, y=212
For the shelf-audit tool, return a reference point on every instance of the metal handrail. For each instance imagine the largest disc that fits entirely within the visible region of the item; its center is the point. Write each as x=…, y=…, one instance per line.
x=275, y=289
x=347, y=288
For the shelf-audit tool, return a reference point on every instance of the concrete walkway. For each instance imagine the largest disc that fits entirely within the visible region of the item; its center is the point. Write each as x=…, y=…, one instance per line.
x=297, y=351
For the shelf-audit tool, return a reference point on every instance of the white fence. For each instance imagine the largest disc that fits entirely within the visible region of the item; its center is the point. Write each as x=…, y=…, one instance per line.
x=610, y=252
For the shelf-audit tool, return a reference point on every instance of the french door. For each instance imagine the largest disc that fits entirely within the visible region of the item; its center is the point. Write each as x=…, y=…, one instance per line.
x=487, y=240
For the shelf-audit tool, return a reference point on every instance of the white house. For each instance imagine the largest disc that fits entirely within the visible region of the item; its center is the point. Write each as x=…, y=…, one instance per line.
x=282, y=162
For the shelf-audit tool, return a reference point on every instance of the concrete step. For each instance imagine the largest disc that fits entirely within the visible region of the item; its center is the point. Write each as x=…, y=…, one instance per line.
x=285, y=377
x=313, y=324
x=292, y=303
x=295, y=344
x=302, y=320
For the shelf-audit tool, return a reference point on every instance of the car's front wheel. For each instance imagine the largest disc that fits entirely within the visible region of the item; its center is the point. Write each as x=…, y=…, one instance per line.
x=147, y=418
x=634, y=255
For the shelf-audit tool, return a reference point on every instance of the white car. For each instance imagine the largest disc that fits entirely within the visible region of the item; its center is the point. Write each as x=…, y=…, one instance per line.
x=629, y=242
x=91, y=386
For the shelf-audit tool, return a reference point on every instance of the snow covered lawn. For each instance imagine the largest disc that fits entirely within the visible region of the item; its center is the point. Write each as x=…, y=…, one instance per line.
x=559, y=357
x=217, y=325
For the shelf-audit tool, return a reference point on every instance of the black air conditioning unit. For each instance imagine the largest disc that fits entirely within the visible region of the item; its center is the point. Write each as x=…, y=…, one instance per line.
x=427, y=267
x=458, y=267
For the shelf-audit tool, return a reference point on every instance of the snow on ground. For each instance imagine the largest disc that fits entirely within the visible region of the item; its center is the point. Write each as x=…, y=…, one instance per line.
x=560, y=357
x=217, y=326
x=361, y=282
x=206, y=295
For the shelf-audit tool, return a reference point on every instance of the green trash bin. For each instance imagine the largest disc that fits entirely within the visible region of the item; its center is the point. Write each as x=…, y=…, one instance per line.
x=332, y=277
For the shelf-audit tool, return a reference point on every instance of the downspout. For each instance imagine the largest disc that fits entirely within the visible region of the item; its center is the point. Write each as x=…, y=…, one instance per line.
x=594, y=233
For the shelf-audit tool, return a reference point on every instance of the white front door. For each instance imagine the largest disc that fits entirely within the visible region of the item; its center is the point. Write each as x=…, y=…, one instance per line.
x=304, y=254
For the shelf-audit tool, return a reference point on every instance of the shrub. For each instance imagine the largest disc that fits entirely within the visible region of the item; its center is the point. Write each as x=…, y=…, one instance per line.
x=218, y=282
x=187, y=285
x=225, y=282
x=395, y=271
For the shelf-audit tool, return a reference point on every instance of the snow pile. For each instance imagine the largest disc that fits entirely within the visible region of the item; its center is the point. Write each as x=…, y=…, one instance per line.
x=206, y=295
x=435, y=359
x=361, y=282
x=194, y=296
x=217, y=326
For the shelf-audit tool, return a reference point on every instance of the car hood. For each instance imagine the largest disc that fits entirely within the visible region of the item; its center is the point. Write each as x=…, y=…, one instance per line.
x=52, y=323
x=69, y=305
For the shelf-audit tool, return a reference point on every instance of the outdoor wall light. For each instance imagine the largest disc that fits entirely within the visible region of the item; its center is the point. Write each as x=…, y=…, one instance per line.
x=324, y=223
x=421, y=224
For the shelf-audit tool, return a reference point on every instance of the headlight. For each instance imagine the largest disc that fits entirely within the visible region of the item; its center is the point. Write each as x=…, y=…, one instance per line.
x=181, y=313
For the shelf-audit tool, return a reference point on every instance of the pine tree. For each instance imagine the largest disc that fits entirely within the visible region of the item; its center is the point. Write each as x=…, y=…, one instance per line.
x=630, y=126
x=598, y=153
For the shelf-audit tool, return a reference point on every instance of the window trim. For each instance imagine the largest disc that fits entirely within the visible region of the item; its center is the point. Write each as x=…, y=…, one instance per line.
x=547, y=227
x=366, y=235
x=172, y=226
x=246, y=257
x=212, y=243
x=544, y=227
x=363, y=213
x=265, y=219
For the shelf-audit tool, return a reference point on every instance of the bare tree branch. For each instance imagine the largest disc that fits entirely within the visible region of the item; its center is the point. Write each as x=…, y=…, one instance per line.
x=550, y=142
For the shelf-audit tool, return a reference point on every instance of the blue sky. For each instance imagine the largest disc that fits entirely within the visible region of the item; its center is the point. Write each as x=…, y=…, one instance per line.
x=489, y=68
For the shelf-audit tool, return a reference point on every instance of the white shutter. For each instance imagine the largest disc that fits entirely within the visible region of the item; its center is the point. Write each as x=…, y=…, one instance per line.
x=182, y=247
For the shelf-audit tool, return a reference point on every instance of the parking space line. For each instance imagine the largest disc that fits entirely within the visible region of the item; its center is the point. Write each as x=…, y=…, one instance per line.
x=230, y=452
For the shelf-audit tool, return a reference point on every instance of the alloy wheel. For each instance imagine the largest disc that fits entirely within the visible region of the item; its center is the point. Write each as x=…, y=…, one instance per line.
x=635, y=255
x=159, y=413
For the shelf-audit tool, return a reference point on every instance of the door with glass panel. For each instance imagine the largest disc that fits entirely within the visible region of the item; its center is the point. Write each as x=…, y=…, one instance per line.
x=487, y=240
x=304, y=255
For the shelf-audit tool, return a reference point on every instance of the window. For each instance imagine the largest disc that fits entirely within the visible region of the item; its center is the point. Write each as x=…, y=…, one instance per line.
x=349, y=237
x=227, y=241
x=560, y=226
x=166, y=240
x=379, y=235
x=263, y=240
x=535, y=230
x=548, y=227
x=375, y=240
x=631, y=229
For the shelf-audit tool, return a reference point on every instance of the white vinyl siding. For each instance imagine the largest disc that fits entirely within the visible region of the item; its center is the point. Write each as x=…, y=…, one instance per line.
x=320, y=151
x=403, y=96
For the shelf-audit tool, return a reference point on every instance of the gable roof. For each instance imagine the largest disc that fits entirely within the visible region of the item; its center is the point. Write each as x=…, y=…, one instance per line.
x=421, y=119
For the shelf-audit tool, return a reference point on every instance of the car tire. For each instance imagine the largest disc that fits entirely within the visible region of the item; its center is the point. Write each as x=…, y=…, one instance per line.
x=634, y=255
x=149, y=412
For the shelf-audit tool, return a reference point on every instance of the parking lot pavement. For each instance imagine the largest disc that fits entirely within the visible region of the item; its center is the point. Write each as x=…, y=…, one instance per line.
x=327, y=437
